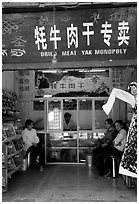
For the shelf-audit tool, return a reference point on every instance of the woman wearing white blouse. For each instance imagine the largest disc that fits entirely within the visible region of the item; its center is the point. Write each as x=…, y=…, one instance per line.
x=31, y=143
x=120, y=140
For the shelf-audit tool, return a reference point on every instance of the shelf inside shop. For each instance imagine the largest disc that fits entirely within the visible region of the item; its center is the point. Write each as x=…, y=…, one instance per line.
x=12, y=147
x=8, y=139
x=15, y=153
x=11, y=172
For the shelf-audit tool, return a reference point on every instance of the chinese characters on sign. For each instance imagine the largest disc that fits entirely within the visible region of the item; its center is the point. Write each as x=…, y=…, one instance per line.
x=24, y=81
x=99, y=34
x=72, y=35
x=117, y=77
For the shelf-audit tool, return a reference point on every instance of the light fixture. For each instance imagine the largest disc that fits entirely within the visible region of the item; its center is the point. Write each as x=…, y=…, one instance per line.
x=54, y=59
x=92, y=70
x=49, y=71
x=41, y=4
x=47, y=96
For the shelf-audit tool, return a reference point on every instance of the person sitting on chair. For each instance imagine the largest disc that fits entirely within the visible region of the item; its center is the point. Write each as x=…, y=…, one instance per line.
x=116, y=149
x=32, y=144
x=109, y=136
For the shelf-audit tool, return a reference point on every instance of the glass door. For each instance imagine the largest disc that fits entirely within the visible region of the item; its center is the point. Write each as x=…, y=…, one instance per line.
x=62, y=147
x=85, y=114
x=85, y=122
x=61, y=139
x=99, y=118
x=100, y=115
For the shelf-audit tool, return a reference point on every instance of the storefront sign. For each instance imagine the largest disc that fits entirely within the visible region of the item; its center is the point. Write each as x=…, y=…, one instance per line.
x=72, y=35
x=75, y=83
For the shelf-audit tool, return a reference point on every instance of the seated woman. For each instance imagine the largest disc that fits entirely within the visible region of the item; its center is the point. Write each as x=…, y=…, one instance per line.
x=116, y=149
x=109, y=136
x=32, y=143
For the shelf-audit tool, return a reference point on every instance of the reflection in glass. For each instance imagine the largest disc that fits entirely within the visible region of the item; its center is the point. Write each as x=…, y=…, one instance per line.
x=87, y=144
x=85, y=114
x=69, y=104
x=100, y=115
x=98, y=135
x=62, y=155
x=65, y=139
x=38, y=105
x=86, y=140
x=82, y=155
x=54, y=115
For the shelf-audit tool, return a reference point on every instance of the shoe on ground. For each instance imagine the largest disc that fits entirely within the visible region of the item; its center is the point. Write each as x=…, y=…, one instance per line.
x=41, y=168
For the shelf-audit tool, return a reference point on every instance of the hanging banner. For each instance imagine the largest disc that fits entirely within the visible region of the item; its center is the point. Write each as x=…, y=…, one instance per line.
x=75, y=83
x=73, y=35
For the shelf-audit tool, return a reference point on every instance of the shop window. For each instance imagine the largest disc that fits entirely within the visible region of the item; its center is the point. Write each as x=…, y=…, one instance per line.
x=85, y=114
x=69, y=104
x=100, y=115
x=70, y=107
x=54, y=115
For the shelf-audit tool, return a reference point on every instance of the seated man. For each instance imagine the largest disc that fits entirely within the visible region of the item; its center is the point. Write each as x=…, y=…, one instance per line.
x=68, y=124
x=32, y=144
x=109, y=136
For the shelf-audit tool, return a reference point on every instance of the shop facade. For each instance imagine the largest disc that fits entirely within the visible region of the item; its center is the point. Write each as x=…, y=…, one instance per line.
x=81, y=54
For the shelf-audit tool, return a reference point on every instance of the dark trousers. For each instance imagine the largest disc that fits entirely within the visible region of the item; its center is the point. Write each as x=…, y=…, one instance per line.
x=36, y=151
x=97, y=151
x=103, y=159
